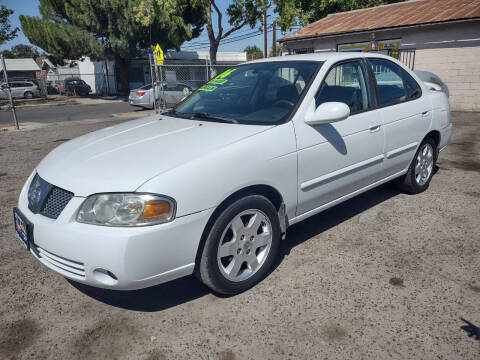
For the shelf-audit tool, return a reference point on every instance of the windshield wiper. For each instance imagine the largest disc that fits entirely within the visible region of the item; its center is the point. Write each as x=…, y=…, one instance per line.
x=206, y=116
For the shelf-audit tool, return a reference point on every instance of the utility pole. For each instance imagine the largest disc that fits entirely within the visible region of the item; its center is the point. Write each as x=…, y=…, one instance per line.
x=274, y=38
x=12, y=106
x=265, y=49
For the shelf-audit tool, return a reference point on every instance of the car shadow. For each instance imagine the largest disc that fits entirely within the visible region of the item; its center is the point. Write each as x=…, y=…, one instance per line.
x=155, y=298
x=317, y=224
x=176, y=292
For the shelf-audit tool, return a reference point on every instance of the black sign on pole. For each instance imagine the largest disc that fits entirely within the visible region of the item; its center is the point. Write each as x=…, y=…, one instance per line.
x=6, y=87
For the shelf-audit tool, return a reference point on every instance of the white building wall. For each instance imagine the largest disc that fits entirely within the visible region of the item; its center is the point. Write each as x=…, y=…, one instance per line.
x=94, y=74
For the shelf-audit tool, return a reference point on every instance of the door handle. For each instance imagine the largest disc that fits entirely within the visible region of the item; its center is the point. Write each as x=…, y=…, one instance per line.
x=425, y=112
x=374, y=128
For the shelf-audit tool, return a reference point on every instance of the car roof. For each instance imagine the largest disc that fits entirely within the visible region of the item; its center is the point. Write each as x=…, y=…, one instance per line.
x=323, y=56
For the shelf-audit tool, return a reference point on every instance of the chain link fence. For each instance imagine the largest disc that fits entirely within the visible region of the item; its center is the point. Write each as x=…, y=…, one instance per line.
x=193, y=75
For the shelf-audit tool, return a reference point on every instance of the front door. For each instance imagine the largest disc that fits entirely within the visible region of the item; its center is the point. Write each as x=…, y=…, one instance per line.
x=336, y=159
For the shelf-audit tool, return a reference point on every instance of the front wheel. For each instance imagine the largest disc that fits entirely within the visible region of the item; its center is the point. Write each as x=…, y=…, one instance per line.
x=241, y=246
x=420, y=171
x=28, y=95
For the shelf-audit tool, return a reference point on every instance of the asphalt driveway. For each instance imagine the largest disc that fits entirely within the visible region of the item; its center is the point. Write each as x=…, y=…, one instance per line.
x=384, y=275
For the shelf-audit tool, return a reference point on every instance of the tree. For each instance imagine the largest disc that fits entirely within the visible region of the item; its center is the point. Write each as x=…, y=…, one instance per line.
x=253, y=52
x=118, y=29
x=21, y=51
x=6, y=32
x=240, y=13
x=306, y=11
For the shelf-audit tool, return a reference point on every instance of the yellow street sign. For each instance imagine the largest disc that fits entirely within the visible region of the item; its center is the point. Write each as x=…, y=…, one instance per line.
x=158, y=55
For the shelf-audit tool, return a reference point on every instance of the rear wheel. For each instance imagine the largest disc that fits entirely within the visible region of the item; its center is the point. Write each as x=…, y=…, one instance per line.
x=241, y=246
x=420, y=171
x=28, y=95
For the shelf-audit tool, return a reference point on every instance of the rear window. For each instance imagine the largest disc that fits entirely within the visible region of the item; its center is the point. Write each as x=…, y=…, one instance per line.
x=389, y=79
x=413, y=89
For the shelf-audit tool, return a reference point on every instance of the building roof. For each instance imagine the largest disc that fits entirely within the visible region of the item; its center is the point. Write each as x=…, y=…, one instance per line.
x=20, y=65
x=406, y=13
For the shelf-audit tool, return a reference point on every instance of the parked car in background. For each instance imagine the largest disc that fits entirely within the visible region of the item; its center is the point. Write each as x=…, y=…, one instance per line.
x=211, y=186
x=429, y=77
x=59, y=85
x=171, y=95
x=75, y=86
x=21, y=89
x=51, y=88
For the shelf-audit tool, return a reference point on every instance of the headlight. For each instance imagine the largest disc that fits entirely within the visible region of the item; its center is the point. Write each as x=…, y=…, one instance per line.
x=129, y=209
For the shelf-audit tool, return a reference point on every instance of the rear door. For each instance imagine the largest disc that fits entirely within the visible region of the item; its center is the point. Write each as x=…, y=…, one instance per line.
x=336, y=159
x=406, y=114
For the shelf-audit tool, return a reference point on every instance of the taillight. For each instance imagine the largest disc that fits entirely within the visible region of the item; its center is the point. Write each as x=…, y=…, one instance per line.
x=140, y=93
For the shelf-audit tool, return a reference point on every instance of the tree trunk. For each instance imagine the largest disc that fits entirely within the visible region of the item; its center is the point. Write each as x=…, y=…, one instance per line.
x=123, y=66
x=213, y=60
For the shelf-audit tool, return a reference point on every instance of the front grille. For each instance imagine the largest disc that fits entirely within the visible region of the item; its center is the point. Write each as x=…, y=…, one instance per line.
x=69, y=267
x=56, y=202
x=47, y=199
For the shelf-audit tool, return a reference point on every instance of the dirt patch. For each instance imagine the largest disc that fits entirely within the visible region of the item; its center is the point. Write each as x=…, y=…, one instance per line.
x=156, y=355
x=106, y=338
x=467, y=164
x=475, y=194
x=396, y=282
x=474, y=287
x=334, y=332
x=226, y=355
x=16, y=337
x=3, y=174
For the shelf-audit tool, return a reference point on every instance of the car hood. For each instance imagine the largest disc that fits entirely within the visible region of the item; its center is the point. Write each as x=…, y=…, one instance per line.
x=125, y=156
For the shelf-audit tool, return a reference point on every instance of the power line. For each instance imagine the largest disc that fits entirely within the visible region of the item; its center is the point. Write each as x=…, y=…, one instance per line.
x=237, y=36
x=227, y=41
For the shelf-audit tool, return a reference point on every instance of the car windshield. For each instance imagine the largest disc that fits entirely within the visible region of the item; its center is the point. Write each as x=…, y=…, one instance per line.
x=261, y=93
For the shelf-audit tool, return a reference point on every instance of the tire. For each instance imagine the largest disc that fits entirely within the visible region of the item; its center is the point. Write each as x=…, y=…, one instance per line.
x=28, y=95
x=417, y=180
x=246, y=230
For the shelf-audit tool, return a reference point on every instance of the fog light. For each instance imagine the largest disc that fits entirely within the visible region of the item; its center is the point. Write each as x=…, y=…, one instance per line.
x=105, y=276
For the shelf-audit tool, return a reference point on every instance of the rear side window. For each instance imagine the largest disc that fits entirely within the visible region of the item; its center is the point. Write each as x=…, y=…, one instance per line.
x=413, y=89
x=346, y=83
x=389, y=80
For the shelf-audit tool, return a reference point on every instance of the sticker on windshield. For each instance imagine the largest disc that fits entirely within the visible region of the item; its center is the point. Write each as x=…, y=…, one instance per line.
x=208, y=88
x=217, y=80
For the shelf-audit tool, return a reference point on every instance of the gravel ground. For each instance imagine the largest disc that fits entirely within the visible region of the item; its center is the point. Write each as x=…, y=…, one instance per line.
x=384, y=275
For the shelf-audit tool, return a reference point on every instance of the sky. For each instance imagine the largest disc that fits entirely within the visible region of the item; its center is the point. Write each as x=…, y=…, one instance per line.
x=235, y=42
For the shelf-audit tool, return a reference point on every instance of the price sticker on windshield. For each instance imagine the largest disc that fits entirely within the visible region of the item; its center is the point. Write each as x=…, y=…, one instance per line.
x=217, y=80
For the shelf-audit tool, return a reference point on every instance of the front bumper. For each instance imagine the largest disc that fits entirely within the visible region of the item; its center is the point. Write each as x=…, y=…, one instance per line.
x=114, y=257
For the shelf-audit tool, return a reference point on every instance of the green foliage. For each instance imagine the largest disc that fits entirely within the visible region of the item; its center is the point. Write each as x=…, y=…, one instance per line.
x=119, y=29
x=111, y=28
x=6, y=31
x=21, y=51
x=253, y=52
x=302, y=12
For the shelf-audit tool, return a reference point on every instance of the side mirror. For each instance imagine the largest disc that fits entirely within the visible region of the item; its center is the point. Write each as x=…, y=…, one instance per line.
x=328, y=112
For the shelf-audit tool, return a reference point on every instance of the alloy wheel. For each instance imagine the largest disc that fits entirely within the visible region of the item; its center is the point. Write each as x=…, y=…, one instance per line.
x=424, y=164
x=244, y=245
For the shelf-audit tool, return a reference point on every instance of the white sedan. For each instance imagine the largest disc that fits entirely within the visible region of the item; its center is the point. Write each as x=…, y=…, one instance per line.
x=210, y=187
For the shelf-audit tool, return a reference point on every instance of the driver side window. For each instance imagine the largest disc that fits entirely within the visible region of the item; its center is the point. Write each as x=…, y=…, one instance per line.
x=346, y=83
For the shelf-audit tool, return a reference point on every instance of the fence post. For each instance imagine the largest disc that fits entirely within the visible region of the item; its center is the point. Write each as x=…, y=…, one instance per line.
x=155, y=104
x=12, y=106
